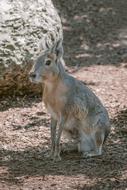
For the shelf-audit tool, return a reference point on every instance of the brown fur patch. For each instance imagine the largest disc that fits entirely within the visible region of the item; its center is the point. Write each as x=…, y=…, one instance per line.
x=87, y=130
x=57, y=101
x=51, y=56
x=98, y=137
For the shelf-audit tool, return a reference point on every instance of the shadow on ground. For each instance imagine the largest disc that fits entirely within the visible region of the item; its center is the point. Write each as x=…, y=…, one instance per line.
x=120, y=122
x=95, y=32
x=19, y=102
x=109, y=169
x=34, y=122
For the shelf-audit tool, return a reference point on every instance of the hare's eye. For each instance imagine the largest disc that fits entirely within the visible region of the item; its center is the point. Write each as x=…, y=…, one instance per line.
x=48, y=62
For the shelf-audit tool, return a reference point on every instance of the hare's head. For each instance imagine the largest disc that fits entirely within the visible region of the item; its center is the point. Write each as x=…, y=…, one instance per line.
x=46, y=66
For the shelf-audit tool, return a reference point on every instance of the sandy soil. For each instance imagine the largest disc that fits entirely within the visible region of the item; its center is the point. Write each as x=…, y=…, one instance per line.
x=25, y=140
x=95, y=45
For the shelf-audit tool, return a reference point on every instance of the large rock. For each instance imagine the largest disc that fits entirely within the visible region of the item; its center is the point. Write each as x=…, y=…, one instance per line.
x=23, y=25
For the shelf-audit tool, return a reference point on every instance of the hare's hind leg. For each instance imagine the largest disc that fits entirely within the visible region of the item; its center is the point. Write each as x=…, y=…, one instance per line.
x=86, y=144
x=94, y=143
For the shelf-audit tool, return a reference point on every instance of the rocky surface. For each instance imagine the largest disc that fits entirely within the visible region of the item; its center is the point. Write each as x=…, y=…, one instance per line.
x=26, y=27
x=95, y=32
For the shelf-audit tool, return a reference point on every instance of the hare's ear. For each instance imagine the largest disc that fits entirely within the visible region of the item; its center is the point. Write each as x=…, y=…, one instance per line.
x=58, y=49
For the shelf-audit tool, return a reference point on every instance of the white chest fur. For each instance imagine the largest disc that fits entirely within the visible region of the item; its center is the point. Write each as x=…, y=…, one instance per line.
x=52, y=112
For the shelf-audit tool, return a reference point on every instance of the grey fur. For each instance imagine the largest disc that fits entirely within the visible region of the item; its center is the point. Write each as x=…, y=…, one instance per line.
x=75, y=109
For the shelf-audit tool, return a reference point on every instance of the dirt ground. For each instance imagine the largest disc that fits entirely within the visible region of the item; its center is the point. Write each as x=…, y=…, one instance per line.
x=25, y=140
x=95, y=44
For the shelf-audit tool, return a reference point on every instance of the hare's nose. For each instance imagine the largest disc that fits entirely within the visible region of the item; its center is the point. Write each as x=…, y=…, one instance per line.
x=32, y=75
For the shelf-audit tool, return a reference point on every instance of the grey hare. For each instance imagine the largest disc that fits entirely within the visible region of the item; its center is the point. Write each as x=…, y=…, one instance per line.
x=75, y=110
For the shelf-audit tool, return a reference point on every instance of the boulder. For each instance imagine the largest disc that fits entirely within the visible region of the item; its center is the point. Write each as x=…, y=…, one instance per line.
x=23, y=26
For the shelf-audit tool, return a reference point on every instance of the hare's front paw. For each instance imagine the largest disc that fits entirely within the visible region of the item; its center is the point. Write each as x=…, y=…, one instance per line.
x=50, y=154
x=56, y=157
